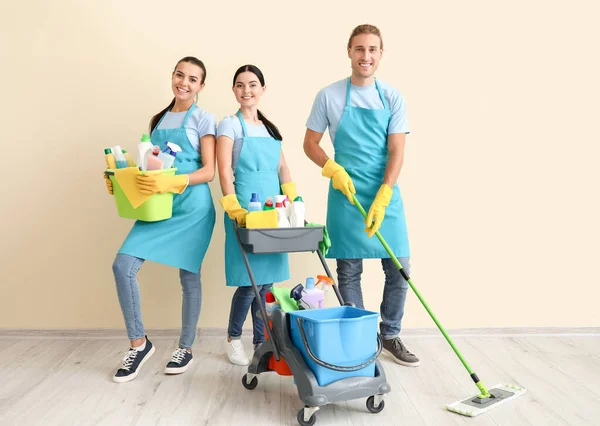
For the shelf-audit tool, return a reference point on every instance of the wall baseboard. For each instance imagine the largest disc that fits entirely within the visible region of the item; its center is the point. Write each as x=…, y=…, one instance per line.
x=220, y=332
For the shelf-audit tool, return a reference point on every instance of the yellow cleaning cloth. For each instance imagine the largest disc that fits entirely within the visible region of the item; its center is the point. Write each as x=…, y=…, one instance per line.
x=262, y=219
x=126, y=178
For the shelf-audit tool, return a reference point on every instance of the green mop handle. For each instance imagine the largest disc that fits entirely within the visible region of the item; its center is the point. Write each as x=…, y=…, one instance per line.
x=480, y=386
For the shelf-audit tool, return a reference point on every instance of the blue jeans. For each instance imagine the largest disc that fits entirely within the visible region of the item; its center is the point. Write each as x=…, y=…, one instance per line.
x=394, y=292
x=243, y=298
x=125, y=269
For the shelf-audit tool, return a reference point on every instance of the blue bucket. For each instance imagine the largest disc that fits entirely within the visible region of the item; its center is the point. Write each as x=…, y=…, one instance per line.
x=340, y=337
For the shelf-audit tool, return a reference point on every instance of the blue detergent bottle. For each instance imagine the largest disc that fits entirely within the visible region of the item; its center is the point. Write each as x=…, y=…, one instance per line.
x=254, y=205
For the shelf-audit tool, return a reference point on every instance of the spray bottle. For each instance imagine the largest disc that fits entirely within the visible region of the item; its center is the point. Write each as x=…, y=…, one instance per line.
x=282, y=220
x=169, y=154
x=315, y=297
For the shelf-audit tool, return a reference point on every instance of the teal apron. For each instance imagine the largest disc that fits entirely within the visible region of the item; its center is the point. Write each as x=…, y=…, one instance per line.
x=257, y=170
x=182, y=240
x=361, y=148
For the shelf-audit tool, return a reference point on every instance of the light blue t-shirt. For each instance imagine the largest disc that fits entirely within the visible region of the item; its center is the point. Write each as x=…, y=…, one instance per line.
x=200, y=123
x=330, y=102
x=232, y=128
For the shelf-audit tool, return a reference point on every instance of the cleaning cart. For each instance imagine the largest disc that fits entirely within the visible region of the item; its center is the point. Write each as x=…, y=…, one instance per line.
x=295, y=343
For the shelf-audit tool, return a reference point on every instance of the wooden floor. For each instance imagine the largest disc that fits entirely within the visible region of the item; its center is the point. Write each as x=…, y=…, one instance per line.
x=67, y=381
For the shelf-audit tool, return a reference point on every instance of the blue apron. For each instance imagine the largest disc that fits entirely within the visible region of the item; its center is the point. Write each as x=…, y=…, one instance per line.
x=182, y=240
x=361, y=148
x=257, y=170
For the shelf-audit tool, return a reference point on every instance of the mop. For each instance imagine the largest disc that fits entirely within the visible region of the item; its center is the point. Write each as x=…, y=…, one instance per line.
x=486, y=399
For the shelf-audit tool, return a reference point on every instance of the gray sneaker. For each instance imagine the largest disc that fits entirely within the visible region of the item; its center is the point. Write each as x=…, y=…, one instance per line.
x=399, y=353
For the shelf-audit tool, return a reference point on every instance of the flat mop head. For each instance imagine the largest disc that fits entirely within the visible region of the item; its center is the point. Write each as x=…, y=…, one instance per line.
x=474, y=405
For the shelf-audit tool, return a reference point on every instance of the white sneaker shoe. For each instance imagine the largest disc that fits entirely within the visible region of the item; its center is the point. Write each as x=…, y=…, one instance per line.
x=236, y=353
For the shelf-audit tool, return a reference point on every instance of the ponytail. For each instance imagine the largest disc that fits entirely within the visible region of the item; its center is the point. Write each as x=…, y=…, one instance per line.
x=271, y=128
x=154, y=121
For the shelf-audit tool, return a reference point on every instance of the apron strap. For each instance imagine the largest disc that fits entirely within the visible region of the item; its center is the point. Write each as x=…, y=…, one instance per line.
x=185, y=119
x=348, y=93
x=383, y=99
x=244, y=131
x=187, y=115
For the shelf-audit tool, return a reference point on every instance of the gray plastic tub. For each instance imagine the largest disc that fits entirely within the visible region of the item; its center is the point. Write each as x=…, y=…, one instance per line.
x=281, y=240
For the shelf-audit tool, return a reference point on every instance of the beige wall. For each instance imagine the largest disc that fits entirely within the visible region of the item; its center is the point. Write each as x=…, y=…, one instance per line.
x=500, y=179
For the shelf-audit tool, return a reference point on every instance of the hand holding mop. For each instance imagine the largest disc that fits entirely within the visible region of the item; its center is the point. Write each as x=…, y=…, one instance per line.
x=476, y=404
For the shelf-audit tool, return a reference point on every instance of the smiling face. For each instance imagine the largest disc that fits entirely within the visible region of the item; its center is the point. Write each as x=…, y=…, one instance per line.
x=247, y=89
x=365, y=52
x=186, y=81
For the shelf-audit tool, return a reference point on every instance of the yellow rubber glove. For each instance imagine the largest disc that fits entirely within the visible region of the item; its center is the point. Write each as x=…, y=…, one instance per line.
x=108, y=184
x=289, y=189
x=377, y=210
x=340, y=178
x=159, y=184
x=232, y=206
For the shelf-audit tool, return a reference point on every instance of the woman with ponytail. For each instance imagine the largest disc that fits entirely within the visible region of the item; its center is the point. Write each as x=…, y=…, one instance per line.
x=182, y=240
x=249, y=151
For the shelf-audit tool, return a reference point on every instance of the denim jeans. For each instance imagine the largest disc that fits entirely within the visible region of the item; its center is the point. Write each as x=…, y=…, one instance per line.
x=349, y=272
x=125, y=269
x=243, y=298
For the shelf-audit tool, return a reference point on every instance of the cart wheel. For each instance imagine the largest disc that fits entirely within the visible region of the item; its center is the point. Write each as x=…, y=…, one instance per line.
x=301, y=421
x=253, y=383
x=371, y=405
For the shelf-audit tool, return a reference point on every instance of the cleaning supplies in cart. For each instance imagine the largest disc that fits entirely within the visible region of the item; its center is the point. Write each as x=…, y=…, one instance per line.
x=325, y=282
x=282, y=219
x=312, y=295
x=286, y=302
x=269, y=204
x=297, y=293
x=254, y=205
x=297, y=213
x=270, y=303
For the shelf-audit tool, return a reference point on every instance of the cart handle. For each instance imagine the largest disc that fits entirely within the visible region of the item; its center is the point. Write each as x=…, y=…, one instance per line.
x=334, y=367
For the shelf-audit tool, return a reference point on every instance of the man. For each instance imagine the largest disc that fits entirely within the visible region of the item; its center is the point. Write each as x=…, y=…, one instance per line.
x=367, y=124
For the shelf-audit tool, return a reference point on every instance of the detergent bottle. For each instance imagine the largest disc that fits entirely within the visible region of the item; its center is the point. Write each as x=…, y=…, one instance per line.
x=315, y=297
x=298, y=212
x=152, y=161
x=254, y=205
x=268, y=204
x=143, y=147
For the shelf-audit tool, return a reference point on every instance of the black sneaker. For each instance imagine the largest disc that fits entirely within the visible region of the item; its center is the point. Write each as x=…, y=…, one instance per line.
x=399, y=353
x=132, y=363
x=180, y=361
